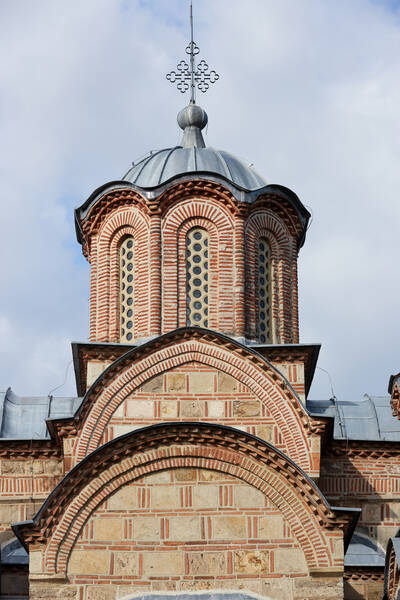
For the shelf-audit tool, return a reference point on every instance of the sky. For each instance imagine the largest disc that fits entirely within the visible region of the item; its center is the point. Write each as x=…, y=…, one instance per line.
x=309, y=92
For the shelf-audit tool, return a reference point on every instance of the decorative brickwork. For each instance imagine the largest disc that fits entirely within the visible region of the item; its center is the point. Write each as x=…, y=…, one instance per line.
x=265, y=225
x=361, y=477
x=105, y=274
x=105, y=204
x=279, y=205
x=217, y=222
x=267, y=386
x=158, y=497
x=198, y=188
x=365, y=583
x=184, y=503
x=159, y=229
x=194, y=391
x=27, y=477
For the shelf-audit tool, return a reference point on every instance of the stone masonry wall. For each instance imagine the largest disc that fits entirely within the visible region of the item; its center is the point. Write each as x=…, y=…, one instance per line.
x=183, y=530
x=24, y=485
x=363, y=479
x=195, y=392
x=293, y=371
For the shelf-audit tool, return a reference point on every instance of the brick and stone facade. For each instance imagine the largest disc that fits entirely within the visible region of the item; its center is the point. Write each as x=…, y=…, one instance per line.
x=185, y=507
x=159, y=231
x=193, y=461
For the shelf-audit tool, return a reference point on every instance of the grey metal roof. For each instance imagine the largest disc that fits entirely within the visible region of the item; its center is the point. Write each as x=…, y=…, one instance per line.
x=192, y=156
x=165, y=164
x=362, y=552
x=24, y=418
x=368, y=419
x=14, y=554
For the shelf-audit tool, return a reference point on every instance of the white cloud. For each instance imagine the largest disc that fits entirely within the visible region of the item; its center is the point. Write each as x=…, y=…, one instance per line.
x=309, y=93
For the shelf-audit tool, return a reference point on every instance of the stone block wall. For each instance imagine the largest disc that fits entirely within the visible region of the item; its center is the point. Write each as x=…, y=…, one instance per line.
x=293, y=371
x=184, y=530
x=25, y=483
x=196, y=392
x=367, y=478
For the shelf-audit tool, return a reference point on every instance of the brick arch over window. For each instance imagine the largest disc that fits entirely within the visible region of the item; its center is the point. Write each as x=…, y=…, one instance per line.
x=165, y=447
x=269, y=386
x=284, y=296
x=392, y=572
x=213, y=283
x=105, y=292
x=217, y=221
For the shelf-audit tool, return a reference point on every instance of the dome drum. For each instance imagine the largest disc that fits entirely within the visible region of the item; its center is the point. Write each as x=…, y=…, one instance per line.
x=227, y=275
x=239, y=277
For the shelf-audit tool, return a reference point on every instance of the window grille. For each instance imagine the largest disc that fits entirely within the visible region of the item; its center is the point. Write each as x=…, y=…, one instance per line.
x=126, y=271
x=197, y=277
x=264, y=284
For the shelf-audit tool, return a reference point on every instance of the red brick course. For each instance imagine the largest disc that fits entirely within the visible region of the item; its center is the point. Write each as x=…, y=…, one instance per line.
x=159, y=229
x=311, y=526
x=280, y=402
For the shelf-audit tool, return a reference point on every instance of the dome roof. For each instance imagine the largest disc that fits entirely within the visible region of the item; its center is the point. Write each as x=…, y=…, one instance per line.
x=192, y=156
x=165, y=164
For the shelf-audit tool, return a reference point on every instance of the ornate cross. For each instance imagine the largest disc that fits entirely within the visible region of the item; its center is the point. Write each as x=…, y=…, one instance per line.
x=187, y=75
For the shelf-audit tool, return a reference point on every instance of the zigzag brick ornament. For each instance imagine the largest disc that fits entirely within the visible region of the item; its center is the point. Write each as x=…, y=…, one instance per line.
x=191, y=462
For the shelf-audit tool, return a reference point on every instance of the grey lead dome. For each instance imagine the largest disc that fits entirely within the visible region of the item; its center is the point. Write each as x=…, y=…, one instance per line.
x=192, y=156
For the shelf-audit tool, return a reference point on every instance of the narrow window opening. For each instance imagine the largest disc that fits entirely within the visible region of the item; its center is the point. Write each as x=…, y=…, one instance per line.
x=126, y=285
x=197, y=277
x=264, y=287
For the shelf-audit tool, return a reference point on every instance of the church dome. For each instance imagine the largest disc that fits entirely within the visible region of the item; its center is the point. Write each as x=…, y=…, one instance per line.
x=165, y=164
x=191, y=157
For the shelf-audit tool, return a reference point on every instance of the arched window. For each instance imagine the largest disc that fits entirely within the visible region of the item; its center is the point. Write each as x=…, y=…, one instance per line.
x=264, y=291
x=197, y=277
x=126, y=284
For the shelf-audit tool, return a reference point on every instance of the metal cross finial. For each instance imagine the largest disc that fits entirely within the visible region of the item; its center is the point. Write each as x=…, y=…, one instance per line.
x=187, y=75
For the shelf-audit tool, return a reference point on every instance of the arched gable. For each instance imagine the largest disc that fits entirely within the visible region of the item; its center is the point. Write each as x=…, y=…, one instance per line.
x=178, y=446
x=188, y=345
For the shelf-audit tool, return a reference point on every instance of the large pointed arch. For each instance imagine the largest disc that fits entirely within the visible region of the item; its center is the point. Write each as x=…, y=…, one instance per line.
x=178, y=445
x=208, y=348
